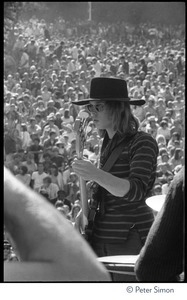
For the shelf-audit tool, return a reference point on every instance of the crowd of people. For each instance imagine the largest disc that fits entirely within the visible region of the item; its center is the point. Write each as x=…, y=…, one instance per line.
x=47, y=66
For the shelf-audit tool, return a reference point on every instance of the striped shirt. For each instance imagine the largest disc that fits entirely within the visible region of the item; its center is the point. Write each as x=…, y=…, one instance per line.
x=137, y=163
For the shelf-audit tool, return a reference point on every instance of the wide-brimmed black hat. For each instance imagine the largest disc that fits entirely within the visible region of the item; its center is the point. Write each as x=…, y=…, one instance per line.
x=109, y=89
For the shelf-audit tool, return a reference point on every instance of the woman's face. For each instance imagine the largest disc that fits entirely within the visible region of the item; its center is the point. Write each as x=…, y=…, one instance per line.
x=100, y=115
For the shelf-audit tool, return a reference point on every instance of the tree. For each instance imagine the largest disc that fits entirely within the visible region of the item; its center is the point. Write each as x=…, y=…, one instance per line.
x=11, y=15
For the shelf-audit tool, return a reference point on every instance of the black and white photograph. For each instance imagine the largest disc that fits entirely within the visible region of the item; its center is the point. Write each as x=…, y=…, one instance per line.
x=94, y=147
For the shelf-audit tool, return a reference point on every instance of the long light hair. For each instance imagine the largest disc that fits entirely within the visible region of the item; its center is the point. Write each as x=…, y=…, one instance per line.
x=123, y=120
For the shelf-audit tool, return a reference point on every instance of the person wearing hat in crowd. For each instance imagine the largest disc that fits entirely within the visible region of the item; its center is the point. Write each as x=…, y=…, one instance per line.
x=51, y=125
x=158, y=65
x=35, y=86
x=94, y=139
x=18, y=46
x=114, y=66
x=36, y=149
x=138, y=90
x=61, y=147
x=14, y=164
x=152, y=126
x=56, y=176
x=25, y=136
x=51, y=108
x=56, y=63
x=72, y=150
x=123, y=219
x=163, y=172
x=160, y=108
x=51, y=141
x=40, y=116
x=124, y=65
x=177, y=127
x=96, y=67
x=49, y=189
x=143, y=66
x=12, y=114
x=41, y=58
x=70, y=65
x=72, y=187
x=168, y=94
x=67, y=144
x=177, y=158
x=68, y=132
x=46, y=95
x=57, y=158
x=10, y=84
x=23, y=175
x=150, y=106
x=37, y=177
x=30, y=163
x=175, y=136
x=164, y=130
x=58, y=50
x=47, y=162
x=58, y=120
x=31, y=49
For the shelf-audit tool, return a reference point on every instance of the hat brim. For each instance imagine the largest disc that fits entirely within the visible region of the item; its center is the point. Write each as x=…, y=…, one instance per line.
x=132, y=101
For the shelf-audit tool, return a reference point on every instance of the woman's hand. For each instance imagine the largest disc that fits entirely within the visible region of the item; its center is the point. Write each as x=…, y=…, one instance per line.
x=118, y=187
x=85, y=169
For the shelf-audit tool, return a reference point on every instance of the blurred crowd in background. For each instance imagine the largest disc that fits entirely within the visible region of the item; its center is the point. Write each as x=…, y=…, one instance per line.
x=48, y=65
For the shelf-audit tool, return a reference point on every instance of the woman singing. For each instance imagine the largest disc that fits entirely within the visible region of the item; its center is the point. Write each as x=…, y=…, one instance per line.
x=122, y=219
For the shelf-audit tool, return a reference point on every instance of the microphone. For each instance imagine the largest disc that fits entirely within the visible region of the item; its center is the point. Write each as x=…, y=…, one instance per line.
x=83, y=114
x=82, y=117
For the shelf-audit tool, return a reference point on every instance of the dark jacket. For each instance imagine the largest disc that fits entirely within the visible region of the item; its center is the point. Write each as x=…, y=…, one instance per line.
x=137, y=163
x=162, y=257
